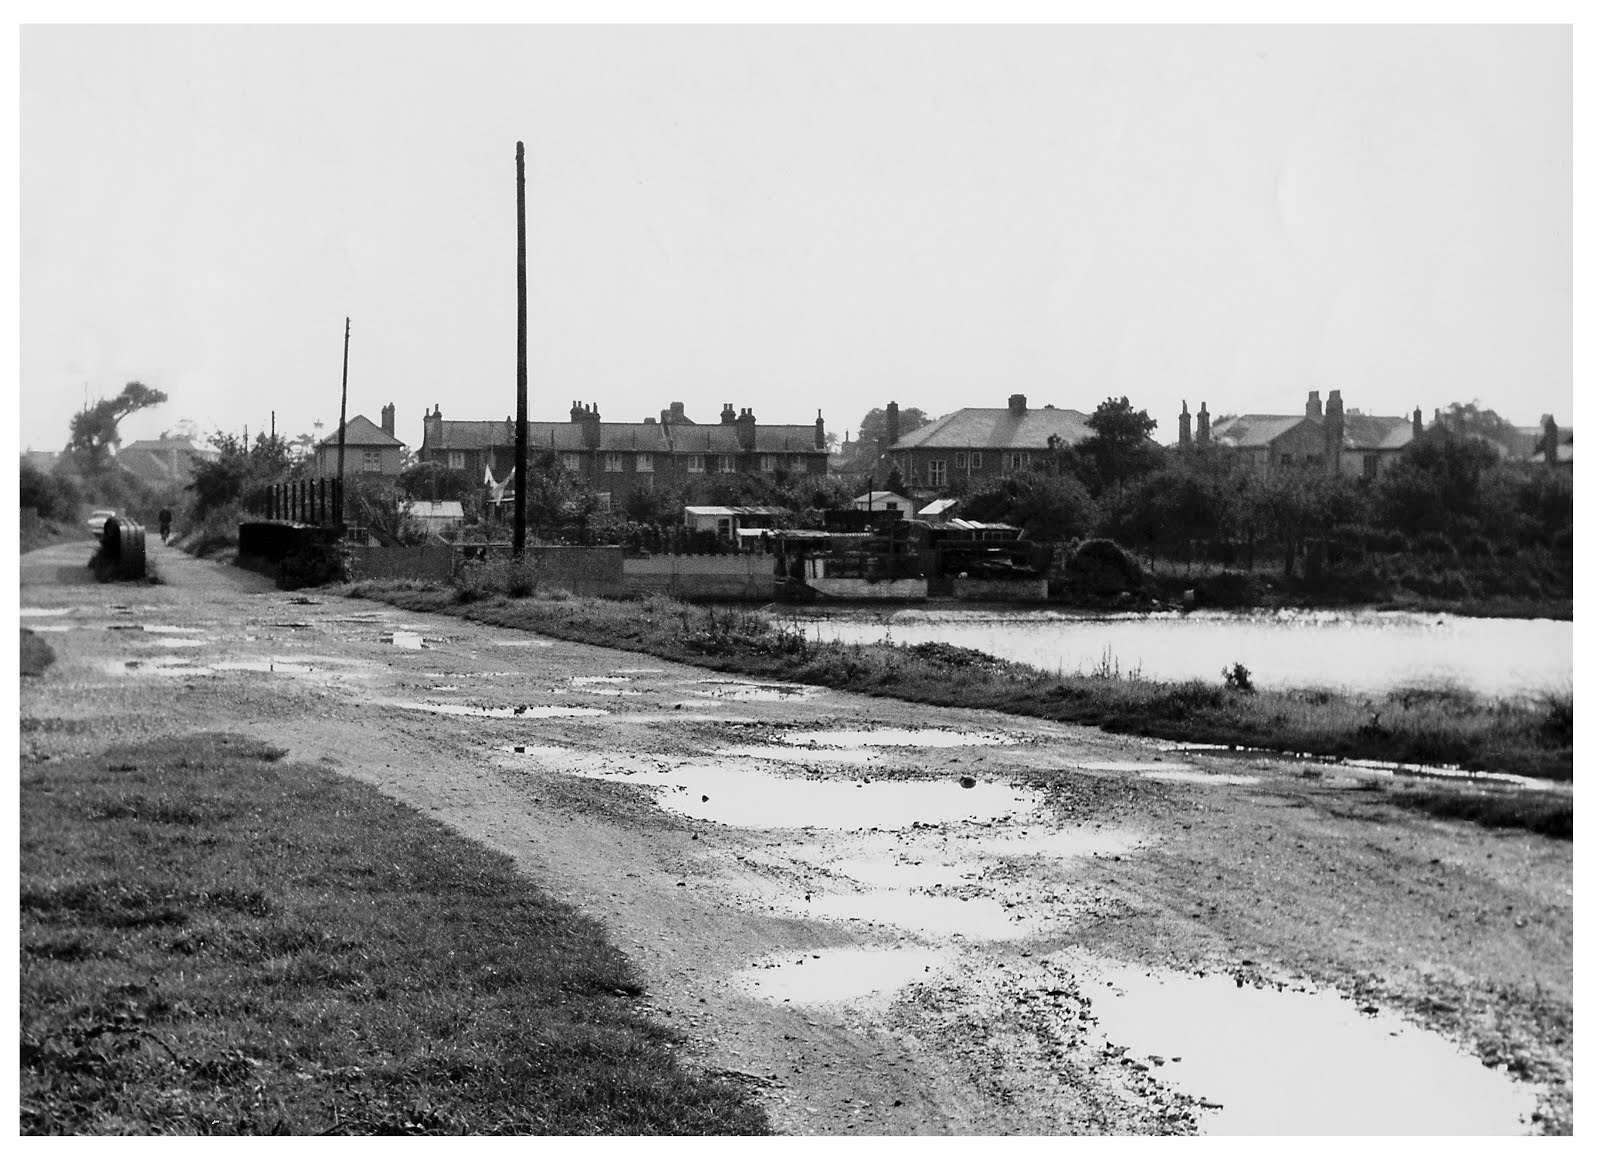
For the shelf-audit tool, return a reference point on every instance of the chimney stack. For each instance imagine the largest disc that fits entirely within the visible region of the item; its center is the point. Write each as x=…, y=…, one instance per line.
x=728, y=414
x=746, y=424
x=432, y=428
x=1018, y=404
x=1416, y=423
x=891, y=424
x=1334, y=432
x=1183, y=425
x=822, y=435
x=388, y=419
x=1314, y=404
x=1204, y=418
x=1552, y=440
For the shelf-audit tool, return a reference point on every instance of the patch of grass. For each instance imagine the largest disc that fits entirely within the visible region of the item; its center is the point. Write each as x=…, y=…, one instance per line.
x=214, y=941
x=1510, y=810
x=1450, y=728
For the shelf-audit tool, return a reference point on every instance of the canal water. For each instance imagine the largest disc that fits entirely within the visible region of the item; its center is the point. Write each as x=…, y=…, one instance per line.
x=1362, y=650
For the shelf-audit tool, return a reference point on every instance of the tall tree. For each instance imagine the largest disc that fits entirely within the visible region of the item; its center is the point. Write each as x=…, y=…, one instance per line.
x=94, y=429
x=1120, y=448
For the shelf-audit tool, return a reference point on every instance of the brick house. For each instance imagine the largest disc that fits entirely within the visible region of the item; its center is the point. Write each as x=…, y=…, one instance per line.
x=369, y=450
x=671, y=451
x=980, y=443
x=165, y=461
x=1349, y=445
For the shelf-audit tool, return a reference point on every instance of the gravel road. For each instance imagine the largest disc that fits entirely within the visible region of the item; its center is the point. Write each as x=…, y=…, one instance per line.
x=887, y=918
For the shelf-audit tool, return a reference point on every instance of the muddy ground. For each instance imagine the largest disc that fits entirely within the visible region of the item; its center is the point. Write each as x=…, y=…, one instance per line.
x=998, y=926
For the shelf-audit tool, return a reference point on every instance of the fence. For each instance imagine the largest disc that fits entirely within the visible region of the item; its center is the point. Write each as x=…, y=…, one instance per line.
x=309, y=501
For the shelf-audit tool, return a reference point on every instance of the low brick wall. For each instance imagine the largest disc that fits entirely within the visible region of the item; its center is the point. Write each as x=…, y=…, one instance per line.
x=745, y=576
x=976, y=589
x=585, y=572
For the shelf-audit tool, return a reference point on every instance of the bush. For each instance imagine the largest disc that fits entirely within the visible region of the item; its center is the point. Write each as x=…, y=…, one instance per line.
x=54, y=497
x=1227, y=589
x=318, y=563
x=1237, y=677
x=1104, y=566
x=1435, y=544
x=1476, y=545
x=501, y=576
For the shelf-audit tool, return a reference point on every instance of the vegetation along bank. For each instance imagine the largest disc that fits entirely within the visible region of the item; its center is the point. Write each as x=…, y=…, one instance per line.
x=1412, y=726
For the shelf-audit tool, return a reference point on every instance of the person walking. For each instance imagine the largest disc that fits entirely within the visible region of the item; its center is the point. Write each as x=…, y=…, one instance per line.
x=166, y=524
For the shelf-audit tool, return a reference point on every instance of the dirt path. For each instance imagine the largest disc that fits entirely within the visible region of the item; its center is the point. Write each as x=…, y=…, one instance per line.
x=872, y=944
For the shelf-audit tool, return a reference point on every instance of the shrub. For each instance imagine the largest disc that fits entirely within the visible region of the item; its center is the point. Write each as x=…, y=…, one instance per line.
x=1476, y=545
x=318, y=563
x=1435, y=544
x=1237, y=677
x=1227, y=588
x=54, y=497
x=1104, y=566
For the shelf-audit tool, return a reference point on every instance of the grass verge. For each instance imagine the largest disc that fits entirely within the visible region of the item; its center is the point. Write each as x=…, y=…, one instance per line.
x=213, y=941
x=35, y=654
x=1509, y=810
x=1412, y=726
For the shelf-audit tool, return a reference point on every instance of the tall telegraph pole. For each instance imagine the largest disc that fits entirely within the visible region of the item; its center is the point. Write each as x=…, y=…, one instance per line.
x=344, y=393
x=519, y=527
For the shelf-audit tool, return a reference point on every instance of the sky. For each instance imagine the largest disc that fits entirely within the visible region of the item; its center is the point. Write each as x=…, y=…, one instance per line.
x=793, y=219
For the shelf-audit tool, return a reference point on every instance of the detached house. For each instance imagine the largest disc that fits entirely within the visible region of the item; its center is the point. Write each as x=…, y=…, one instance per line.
x=979, y=443
x=1349, y=445
x=369, y=450
x=165, y=461
x=614, y=458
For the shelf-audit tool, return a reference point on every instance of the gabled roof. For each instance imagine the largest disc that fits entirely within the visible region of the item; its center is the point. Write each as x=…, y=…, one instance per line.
x=1255, y=430
x=1377, y=432
x=361, y=432
x=999, y=428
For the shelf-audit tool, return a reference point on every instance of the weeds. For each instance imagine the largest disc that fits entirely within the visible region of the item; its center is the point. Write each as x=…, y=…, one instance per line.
x=1237, y=677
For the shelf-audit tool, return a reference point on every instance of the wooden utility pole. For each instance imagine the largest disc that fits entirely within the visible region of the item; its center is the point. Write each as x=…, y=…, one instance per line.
x=519, y=527
x=344, y=394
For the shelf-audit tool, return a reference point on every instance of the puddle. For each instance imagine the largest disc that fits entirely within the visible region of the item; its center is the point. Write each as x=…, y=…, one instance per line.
x=507, y=711
x=755, y=691
x=801, y=755
x=860, y=976
x=526, y=644
x=166, y=628
x=641, y=671
x=979, y=918
x=1304, y=1063
x=154, y=666
x=933, y=738
x=539, y=751
x=598, y=680
x=49, y=628
x=180, y=642
x=1168, y=772
x=1400, y=769
x=264, y=665
x=40, y=611
x=402, y=639
x=754, y=798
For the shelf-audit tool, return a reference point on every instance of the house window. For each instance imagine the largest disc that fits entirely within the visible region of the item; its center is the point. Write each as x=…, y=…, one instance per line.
x=571, y=461
x=644, y=462
x=976, y=461
x=769, y=463
x=1018, y=461
x=935, y=473
x=1369, y=465
x=725, y=464
x=697, y=463
x=371, y=461
x=613, y=461
x=797, y=463
x=458, y=461
x=961, y=460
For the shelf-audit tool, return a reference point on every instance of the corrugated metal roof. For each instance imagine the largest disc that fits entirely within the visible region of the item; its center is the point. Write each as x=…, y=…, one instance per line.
x=998, y=428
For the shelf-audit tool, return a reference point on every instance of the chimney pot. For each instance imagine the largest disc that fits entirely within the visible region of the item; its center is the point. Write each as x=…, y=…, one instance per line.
x=1018, y=404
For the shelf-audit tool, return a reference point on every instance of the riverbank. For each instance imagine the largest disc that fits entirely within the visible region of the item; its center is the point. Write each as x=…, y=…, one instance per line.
x=1414, y=727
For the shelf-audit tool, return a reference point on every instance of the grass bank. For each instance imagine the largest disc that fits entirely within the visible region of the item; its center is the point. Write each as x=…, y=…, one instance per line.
x=1416, y=726
x=217, y=942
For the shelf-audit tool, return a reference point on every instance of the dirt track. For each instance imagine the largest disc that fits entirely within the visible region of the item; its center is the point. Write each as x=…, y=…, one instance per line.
x=992, y=938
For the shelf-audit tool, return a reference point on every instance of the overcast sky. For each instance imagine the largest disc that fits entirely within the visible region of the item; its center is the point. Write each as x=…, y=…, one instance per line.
x=793, y=219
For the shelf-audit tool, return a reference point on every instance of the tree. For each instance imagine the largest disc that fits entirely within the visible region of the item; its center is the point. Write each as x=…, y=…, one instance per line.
x=1120, y=448
x=94, y=429
x=429, y=480
x=239, y=474
x=1470, y=419
x=875, y=424
x=1435, y=485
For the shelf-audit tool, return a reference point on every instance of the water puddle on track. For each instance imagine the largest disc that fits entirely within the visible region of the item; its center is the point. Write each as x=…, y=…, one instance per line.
x=800, y=755
x=46, y=612
x=754, y=691
x=506, y=711
x=1168, y=772
x=828, y=977
x=748, y=797
x=933, y=738
x=1298, y=1062
x=401, y=639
